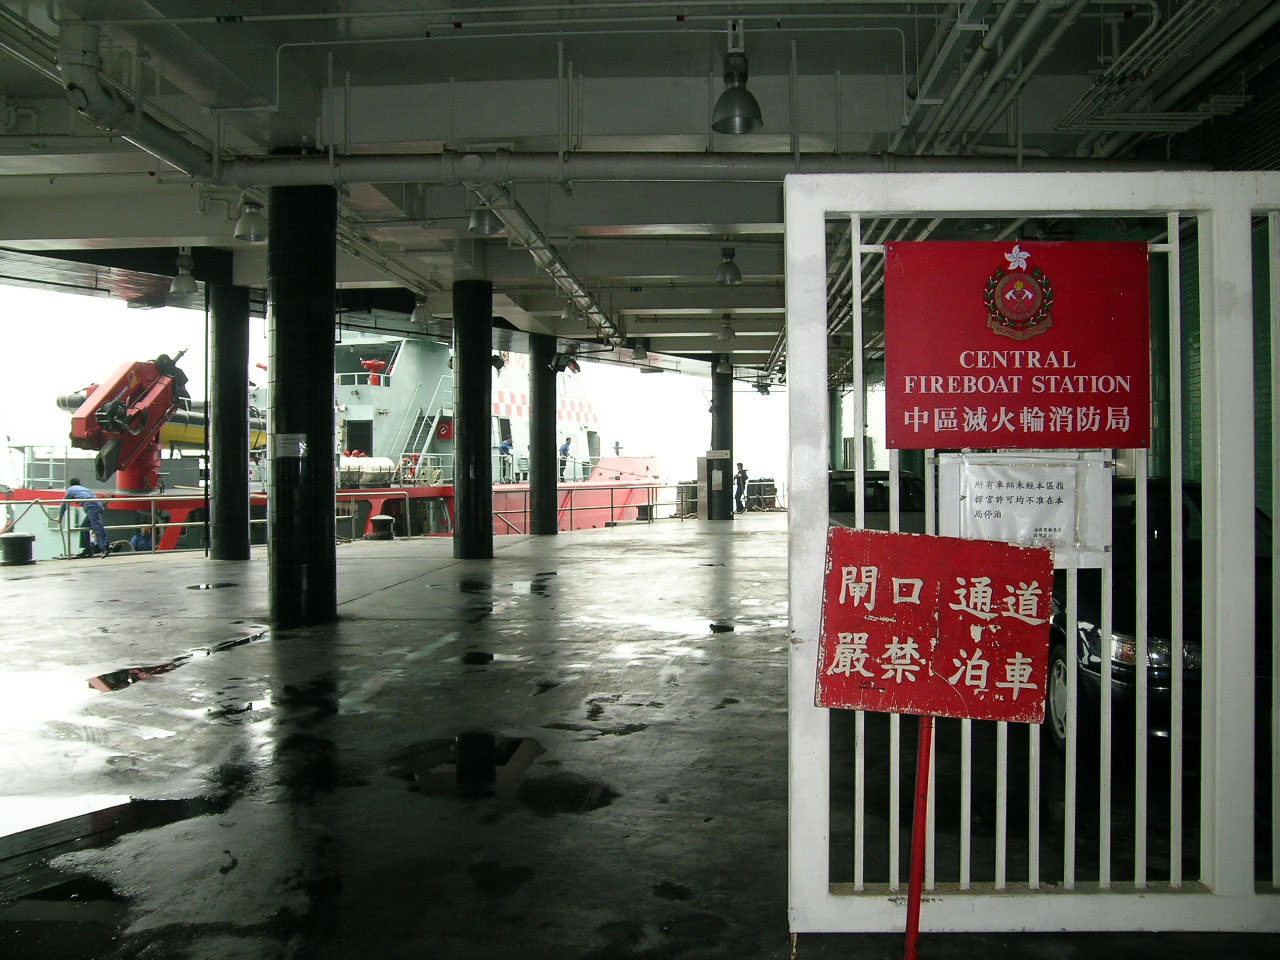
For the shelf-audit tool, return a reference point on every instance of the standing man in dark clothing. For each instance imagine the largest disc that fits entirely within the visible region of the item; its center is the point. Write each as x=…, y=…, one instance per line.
x=740, y=488
x=92, y=512
x=564, y=456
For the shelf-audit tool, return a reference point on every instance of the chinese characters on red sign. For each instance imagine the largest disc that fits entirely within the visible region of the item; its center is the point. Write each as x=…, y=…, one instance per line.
x=1017, y=345
x=934, y=626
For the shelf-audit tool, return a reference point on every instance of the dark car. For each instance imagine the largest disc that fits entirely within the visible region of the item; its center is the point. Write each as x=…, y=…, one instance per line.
x=1121, y=645
x=842, y=489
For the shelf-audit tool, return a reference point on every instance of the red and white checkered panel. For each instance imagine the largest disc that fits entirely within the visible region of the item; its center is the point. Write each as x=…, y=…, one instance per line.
x=509, y=403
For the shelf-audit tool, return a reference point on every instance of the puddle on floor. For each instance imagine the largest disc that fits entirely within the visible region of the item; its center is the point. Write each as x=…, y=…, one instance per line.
x=476, y=763
x=565, y=793
x=127, y=676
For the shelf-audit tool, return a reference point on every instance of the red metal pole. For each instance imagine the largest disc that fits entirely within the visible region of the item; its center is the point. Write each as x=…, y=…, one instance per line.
x=923, y=743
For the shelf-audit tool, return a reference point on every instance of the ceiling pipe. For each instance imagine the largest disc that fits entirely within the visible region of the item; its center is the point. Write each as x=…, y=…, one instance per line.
x=522, y=230
x=1210, y=65
x=80, y=67
x=1065, y=23
x=1017, y=44
x=502, y=167
x=971, y=70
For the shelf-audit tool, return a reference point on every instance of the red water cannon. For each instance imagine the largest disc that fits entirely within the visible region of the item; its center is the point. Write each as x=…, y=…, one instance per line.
x=121, y=419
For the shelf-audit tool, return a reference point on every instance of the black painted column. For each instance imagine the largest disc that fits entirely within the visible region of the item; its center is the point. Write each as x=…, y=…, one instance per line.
x=722, y=439
x=301, y=246
x=544, y=494
x=835, y=405
x=228, y=421
x=472, y=413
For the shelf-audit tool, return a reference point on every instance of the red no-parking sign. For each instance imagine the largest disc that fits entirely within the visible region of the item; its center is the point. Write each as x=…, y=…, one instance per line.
x=934, y=626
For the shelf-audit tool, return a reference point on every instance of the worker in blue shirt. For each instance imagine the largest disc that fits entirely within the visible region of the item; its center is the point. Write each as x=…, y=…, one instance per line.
x=506, y=463
x=564, y=456
x=141, y=541
x=92, y=512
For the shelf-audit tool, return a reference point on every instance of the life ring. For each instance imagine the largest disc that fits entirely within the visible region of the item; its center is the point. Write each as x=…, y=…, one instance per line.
x=445, y=430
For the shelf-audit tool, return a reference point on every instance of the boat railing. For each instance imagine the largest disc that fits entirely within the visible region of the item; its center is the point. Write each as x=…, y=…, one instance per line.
x=156, y=523
x=407, y=420
x=363, y=379
x=580, y=501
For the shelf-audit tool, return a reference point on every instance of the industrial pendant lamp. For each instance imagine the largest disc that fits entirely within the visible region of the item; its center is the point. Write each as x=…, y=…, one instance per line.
x=570, y=313
x=184, y=284
x=252, y=225
x=723, y=366
x=726, y=331
x=736, y=111
x=484, y=222
x=638, y=353
x=421, y=313
x=728, y=274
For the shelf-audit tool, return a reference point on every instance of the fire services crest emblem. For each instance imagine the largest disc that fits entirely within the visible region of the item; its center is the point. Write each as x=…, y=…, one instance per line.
x=1019, y=299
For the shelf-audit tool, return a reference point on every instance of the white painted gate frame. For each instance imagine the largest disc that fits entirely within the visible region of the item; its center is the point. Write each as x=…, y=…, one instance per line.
x=1223, y=204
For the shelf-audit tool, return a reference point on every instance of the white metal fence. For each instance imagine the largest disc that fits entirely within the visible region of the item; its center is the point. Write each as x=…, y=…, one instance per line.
x=1117, y=828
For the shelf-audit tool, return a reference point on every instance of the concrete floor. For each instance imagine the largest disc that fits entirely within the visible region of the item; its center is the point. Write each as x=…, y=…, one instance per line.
x=326, y=792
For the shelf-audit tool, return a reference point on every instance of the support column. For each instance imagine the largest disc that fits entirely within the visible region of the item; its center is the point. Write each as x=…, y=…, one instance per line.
x=473, y=410
x=721, y=501
x=228, y=422
x=301, y=247
x=835, y=403
x=543, y=491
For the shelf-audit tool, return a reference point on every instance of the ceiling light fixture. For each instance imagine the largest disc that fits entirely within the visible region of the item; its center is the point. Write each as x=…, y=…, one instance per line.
x=723, y=366
x=484, y=222
x=252, y=225
x=421, y=314
x=638, y=353
x=728, y=274
x=570, y=313
x=762, y=388
x=497, y=361
x=737, y=110
x=184, y=284
x=726, y=332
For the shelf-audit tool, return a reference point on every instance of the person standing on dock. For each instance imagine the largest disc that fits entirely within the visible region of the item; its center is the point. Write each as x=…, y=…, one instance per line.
x=740, y=489
x=92, y=513
x=507, y=461
x=564, y=456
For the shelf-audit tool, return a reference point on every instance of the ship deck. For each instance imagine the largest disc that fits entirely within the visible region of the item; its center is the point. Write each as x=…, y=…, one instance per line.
x=225, y=790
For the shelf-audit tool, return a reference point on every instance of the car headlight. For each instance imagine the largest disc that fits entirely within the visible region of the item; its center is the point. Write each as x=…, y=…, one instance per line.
x=1124, y=650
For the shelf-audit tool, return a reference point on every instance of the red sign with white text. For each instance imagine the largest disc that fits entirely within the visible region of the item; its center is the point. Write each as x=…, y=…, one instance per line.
x=1017, y=345
x=934, y=626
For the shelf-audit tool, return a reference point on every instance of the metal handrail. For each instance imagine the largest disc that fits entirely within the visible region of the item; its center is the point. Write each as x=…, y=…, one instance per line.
x=406, y=423
x=381, y=495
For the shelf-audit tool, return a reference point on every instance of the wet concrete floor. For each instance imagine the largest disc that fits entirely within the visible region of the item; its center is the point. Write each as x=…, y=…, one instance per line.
x=575, y=750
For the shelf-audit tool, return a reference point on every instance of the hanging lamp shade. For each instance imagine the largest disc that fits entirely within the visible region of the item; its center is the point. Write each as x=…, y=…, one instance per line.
x=726, y=330
x=727, y=274
x=252, y=225
x=420, y=313
x=638, y=353
x=737, y=110
x=184, y=284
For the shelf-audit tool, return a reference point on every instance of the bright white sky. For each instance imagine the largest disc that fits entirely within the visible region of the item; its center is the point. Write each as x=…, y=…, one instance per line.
x=57, y=343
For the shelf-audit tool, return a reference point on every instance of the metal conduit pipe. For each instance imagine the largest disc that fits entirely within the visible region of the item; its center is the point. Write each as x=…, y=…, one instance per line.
x=946, y=23
x=503, y=167
x=80, y=66
x=971, y=69
x=1030, y=27
x=1064, y=24
x=522, y=229
x=1210, y=65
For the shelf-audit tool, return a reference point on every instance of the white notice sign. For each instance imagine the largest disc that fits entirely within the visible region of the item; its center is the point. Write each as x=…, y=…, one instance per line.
x=1024, y=503
x=288, y=445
